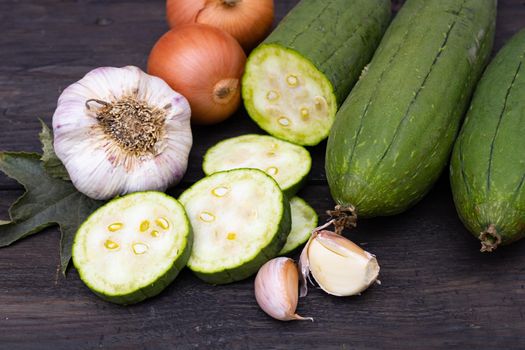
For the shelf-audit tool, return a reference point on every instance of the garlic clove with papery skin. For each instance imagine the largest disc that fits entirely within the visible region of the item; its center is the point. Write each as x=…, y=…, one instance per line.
x=338, y=265
x=277, y=289
x=120, y=130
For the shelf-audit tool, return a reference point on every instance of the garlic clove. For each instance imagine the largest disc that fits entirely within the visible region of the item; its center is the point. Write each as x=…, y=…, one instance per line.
x=276, y=289
x=338, y=265
x=152, y=154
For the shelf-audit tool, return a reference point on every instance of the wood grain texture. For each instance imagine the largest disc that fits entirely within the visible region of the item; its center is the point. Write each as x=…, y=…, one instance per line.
x=437, y=290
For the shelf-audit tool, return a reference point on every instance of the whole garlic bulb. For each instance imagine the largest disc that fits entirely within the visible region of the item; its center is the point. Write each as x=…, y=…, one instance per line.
x=120, y=130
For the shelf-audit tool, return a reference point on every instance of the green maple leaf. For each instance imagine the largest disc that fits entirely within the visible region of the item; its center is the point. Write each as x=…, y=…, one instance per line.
x=52, y=164
x=48, y=201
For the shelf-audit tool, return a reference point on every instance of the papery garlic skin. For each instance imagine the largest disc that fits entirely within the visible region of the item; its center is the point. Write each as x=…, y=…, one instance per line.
x=338, y=265
x=101, y=167
x=277, y=289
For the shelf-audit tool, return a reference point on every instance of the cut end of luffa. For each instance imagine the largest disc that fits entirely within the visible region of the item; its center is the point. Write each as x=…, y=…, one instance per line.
x=240, y=219
x=133, y=247
x=293, y=84
x=288, y=96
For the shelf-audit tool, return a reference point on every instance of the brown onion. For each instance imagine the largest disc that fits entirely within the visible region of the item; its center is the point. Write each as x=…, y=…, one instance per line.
x=248, y=21
x=205, y=65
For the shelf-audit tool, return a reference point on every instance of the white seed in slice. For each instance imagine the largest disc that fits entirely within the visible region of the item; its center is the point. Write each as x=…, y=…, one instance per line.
x=111, y=245
x=320, y=102
x=305, y=113
x=339, y=266
x=292, y=80
x=144, y=226
x=140, y=248
x=220, y=191
x=163, y=223
x=273, y=149
x=206, y=216
x=272, y=171
x=284, y=121
x=115, y=227
x=272, y=95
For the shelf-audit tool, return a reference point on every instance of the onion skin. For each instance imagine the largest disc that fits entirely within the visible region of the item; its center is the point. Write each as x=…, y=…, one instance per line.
x=248, y=21
x=179, y=12
x=205, y=65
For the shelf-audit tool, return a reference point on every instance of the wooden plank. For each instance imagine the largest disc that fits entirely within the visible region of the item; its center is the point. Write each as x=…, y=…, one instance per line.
x=437, y=290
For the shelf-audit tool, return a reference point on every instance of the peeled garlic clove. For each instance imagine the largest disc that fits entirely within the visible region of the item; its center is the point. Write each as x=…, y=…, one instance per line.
x=120, y=130
x=338, y=265
x=276, y=289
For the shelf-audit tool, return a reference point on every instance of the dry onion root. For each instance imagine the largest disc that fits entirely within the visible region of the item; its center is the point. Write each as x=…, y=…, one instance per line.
x=248, y=21
x=205, y=65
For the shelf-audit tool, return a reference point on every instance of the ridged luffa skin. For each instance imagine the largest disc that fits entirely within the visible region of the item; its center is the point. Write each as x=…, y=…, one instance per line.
x=487, y=171
x=295, y=81
x=393, y=135
x=338, y=36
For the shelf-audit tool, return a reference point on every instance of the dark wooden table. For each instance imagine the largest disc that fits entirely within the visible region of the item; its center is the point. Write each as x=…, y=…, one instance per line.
x=437, y=289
